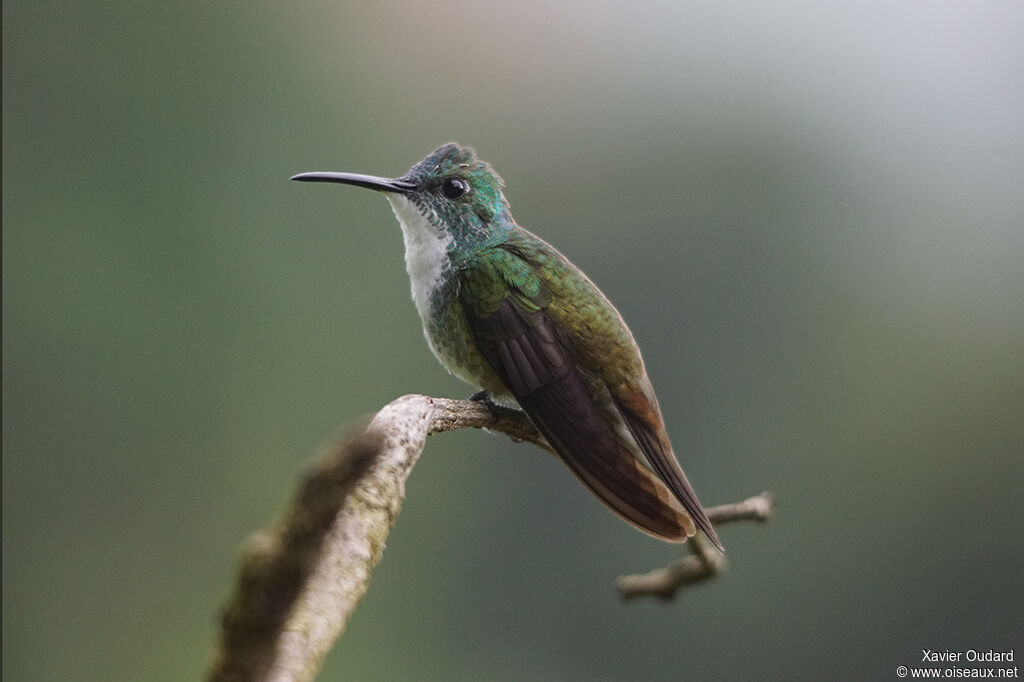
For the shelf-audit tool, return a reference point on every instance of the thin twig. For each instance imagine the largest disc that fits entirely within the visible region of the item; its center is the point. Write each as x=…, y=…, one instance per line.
x=706, y=561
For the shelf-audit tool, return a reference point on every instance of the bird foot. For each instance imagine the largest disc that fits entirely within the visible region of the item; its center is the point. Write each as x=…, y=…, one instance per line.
x=484, y=397
x=497, y=411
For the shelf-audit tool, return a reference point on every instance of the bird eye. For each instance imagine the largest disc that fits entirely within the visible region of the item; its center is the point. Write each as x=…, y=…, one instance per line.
x=453, y=188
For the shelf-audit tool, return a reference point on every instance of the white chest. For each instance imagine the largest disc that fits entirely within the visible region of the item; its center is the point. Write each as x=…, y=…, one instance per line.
x=426, y=252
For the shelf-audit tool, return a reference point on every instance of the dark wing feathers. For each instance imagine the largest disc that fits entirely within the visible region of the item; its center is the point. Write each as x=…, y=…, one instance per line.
x=663, y=461
x=523, y=348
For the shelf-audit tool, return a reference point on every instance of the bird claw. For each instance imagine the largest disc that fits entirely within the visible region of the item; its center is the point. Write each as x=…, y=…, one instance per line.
x=484, y=397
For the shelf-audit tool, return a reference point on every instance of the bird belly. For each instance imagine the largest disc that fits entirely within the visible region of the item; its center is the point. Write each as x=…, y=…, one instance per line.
x=444, y=323
x=451, y=341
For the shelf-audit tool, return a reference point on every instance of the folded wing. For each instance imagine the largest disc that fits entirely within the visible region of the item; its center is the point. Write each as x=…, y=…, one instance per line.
x=518, y=338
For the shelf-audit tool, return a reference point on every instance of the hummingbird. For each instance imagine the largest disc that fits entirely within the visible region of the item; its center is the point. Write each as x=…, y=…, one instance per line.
x=504, y=311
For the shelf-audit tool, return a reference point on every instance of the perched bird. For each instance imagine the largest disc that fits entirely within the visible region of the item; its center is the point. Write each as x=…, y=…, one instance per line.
x=506, y=312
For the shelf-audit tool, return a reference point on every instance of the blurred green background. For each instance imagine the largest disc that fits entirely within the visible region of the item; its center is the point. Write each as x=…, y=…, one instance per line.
x=811, y=215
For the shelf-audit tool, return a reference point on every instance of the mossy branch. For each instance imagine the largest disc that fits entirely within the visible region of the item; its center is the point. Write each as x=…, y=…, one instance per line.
x=301, y=579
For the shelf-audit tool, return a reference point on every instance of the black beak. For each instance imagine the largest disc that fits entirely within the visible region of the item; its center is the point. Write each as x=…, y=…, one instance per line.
x=367, y=181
